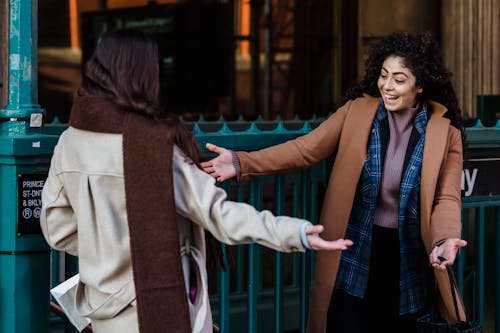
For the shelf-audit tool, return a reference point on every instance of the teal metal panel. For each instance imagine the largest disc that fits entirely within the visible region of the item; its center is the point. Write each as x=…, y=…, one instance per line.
x=25, y=144
x=11, y=169
x=481, y=137
x=25, y=257
x=24, y=277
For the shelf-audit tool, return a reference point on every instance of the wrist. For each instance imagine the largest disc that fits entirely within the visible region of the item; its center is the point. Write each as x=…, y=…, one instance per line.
x=236, y=164
x=303, y=235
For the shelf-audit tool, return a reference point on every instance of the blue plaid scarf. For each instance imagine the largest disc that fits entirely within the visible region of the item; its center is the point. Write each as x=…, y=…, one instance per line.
x=354, y=265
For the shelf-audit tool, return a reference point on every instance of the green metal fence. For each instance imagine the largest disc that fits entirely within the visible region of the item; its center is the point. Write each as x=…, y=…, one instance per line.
x=478, y=274
x=267, y=291
x=478, y=264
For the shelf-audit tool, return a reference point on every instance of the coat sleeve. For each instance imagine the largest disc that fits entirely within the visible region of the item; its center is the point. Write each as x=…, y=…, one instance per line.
x=200, y=200
x=296, y=154
x=446, y=213
x=57, y=219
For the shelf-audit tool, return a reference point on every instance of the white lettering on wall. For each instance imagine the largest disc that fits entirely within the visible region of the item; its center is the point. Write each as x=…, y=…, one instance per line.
x=468, y=181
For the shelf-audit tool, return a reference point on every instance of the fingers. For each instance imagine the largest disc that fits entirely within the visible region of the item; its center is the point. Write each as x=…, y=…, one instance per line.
x=206, y=164
x=220, y=167
x=221, y=178
x=318, y=243
x=441, y=263
x=214, y=149
x=445, y=254
x=208, y=168
x=210, y=165
x=433, y=257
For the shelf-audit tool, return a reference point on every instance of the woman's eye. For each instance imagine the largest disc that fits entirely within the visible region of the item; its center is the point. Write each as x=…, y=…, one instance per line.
x=383, y=76
x=399, y=81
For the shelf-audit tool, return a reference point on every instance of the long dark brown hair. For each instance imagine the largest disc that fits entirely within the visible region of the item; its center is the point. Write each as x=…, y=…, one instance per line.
x=125, y=68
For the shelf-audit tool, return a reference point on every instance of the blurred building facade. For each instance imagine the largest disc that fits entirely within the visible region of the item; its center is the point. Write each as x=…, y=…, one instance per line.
x=288, y=58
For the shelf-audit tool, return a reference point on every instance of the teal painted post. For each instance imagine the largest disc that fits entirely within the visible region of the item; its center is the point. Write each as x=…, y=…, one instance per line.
x=480, y=239
x=295, y=256
x=254, y=265
x=278, y=260
x=22, y=67
x=223, y=279
x=304, y=271
x=313, y=213
x=240, y=252
x=461, y=258
x=24, y=159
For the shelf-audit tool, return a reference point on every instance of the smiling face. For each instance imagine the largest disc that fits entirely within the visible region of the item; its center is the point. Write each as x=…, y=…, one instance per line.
x=397, y=85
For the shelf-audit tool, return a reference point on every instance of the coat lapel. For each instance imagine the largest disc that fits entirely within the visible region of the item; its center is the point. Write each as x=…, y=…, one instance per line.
x=348, y=165
x=434, y=148
x=339, y=197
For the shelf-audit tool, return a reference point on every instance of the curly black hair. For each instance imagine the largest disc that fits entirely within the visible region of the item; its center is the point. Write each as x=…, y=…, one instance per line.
x=422, y=55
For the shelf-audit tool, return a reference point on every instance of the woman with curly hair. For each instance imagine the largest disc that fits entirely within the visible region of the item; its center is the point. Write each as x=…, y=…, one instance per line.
x=394, y=190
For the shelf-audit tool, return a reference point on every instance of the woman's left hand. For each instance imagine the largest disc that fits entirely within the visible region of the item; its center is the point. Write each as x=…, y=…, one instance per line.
x=445, y=254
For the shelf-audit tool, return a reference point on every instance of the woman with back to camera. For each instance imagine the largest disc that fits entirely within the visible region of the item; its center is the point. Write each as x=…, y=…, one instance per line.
x=394, y=189
x=126, y=194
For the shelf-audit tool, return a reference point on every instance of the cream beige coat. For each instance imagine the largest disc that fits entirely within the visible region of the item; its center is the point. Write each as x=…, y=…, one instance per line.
x=84, y=214
x=346, y=132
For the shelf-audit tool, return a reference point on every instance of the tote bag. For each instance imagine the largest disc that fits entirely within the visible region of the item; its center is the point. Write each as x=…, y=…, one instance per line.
x=434, y=323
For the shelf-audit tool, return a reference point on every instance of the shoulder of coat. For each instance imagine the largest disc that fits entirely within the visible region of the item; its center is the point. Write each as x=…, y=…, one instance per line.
x=436, y=108
x=362, y=103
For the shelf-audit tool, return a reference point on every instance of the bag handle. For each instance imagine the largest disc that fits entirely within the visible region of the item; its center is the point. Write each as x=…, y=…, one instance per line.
x=454, y=291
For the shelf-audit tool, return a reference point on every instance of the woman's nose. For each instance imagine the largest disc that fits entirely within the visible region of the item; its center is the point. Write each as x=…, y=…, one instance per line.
x=388, y=84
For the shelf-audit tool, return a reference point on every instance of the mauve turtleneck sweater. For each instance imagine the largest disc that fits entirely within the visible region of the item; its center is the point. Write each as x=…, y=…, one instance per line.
x=400, y=127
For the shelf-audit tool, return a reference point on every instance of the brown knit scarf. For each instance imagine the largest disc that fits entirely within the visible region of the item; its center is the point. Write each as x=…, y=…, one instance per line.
x=154, y=241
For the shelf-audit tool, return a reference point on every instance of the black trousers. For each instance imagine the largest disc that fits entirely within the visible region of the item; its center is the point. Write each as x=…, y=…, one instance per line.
x=378, y=311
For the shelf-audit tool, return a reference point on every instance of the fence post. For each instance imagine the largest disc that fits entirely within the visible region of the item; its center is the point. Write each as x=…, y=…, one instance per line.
x=24, y=158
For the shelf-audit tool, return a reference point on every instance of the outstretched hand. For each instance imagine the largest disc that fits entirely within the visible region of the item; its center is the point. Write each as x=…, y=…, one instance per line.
x=220, y=167
x=446, y=253
x=318, y=243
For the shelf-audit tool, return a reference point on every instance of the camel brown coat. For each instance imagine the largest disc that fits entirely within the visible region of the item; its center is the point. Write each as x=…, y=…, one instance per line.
x=346, y=133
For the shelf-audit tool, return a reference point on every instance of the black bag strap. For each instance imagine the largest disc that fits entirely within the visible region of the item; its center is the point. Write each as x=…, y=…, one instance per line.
x=455, y=293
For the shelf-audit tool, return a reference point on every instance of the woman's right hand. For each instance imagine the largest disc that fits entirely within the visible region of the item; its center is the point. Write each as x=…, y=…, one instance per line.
x=220, y=167
x=318, y=243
